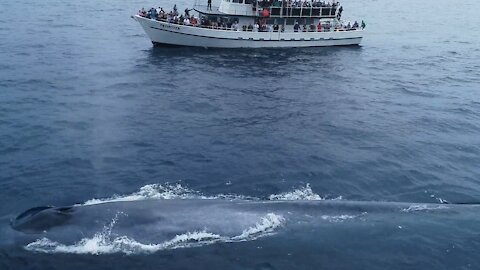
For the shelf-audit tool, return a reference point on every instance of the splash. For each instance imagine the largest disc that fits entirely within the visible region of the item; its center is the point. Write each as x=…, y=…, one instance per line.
x=153, y=191
x=423, y=207
x=305, y=193
x=105, y=242
x=165, y=192
x=178, y=191
x=266, y=226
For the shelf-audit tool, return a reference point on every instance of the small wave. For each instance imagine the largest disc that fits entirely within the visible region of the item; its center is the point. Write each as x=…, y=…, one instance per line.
x=165, y=192
x=153, y=191
x=423, y=207
x=305, y=193
x=266, y=226
x=104, y=242
x=178, y=191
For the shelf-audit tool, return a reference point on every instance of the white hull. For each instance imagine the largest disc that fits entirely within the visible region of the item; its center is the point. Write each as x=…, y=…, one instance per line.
x=163, y=33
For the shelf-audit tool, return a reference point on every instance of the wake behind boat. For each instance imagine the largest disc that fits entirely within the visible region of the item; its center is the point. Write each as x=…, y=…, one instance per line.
x=252, y=24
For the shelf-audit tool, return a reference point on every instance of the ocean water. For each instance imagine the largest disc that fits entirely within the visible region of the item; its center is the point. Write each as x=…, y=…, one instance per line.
x=90, y=111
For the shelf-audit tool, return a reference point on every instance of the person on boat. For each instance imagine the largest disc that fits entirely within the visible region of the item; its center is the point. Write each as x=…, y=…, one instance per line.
x=355, y=25
x=296, y=27
x=175, y=11
x=152, y=13
x=256, y=27
x=209, y=4
x=340, y=10
x=363, y=25
x=187, y=12
x=265, y=13
x=142, y=12
x=319, y=27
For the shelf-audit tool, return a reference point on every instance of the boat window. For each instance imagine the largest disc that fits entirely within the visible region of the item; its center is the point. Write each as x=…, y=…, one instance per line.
x=326, y=11
x=237, y=1
x=296, y=11
x=275, y=11
x=248, y=1
x=306, y=12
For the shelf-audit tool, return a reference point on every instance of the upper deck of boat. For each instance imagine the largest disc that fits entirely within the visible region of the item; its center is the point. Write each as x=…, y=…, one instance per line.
x=274, y=9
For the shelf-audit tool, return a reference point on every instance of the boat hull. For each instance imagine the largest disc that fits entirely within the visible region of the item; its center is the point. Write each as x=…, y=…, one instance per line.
x=168, y=34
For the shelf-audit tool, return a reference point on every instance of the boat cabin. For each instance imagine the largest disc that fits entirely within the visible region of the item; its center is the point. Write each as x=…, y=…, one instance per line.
x=286, y=13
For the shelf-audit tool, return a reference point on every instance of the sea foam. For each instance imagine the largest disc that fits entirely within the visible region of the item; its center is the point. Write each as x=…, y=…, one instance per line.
x=423, y=207
x=106, y=242
x=304, y=193
x=178, y=191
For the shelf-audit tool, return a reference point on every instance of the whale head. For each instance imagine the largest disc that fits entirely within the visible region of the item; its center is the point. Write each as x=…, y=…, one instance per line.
x=40, y=219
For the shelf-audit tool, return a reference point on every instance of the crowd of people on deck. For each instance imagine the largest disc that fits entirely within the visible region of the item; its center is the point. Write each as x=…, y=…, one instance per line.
x=171, y=17
x=296, y=3
x=327, y=27
x=259, y=26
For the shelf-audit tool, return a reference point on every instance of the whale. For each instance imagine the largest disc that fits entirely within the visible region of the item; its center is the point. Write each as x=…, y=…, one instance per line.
x=173, y=227
x=150, y=226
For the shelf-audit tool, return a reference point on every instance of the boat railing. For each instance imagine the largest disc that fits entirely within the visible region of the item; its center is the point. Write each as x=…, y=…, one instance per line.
x=306, y=12
x=240, y=28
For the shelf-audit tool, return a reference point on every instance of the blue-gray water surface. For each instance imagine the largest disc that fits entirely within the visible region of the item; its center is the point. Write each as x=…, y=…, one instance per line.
x=89, y=109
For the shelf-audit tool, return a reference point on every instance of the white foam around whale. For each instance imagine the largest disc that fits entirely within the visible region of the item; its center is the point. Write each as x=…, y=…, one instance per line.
x=423, y=207
x=304, y=193
x=105, y=242
x=178, y=191
x=153, y=191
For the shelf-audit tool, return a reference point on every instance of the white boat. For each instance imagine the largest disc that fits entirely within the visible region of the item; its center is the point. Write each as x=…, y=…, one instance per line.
x=253, y=24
